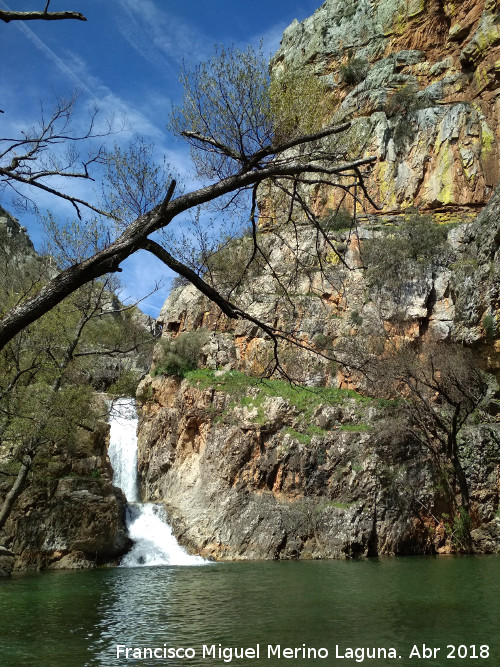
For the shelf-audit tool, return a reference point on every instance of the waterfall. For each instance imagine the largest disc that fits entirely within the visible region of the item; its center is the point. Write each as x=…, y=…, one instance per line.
x=154, y=543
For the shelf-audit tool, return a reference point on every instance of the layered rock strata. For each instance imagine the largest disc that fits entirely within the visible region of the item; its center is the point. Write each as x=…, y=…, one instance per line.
x=437, y=141
x=254, y=470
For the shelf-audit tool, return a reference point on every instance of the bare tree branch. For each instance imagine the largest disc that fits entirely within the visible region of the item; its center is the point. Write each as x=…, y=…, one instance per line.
x=7, y=16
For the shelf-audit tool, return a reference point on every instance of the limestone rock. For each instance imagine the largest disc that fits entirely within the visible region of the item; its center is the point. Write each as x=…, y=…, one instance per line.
x=7, y=559
x=81, y=524
x=254, y=487
x=250, y=475
x=441, y=149
x=72, y=517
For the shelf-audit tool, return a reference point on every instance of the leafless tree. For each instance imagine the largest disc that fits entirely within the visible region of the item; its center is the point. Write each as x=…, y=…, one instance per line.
x=233, y=142
x=438, y=386
x=46, y=152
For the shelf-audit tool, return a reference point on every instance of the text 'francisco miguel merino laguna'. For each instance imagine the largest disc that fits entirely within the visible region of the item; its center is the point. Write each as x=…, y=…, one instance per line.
x=228, y=654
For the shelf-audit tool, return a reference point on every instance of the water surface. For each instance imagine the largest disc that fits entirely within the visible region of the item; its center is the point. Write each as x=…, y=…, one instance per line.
x=78, y=618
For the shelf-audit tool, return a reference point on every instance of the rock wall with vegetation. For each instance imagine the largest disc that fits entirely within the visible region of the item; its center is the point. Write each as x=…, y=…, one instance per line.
x=70, y=516
x=255, y=468
x=58, y=507
x=261, y=468
x=419, y=79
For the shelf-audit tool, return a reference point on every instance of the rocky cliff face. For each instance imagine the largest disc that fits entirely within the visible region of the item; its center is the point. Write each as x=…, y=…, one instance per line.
x=70, y=516
x=14, y=238
x=251, y=469
x=419, y=79
x=246, y=472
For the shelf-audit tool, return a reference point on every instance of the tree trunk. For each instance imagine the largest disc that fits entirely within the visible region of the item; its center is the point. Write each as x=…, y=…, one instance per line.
x=16, y=489
x=466, y=541
x=462, y=482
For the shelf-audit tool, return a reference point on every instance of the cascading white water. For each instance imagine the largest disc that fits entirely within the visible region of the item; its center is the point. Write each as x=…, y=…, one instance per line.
x=123, y=447
x=154, y=543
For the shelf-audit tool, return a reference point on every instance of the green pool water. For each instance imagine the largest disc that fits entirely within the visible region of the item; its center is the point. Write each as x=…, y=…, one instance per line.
x=342, y=608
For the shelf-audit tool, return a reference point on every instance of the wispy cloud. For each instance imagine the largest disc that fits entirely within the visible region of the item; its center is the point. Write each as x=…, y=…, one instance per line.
x=48, y=52
x=162, y=38
x=141, y=274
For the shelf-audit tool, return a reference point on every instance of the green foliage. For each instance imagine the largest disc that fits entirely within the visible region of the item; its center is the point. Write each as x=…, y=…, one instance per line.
x=304, y=399
x=404, y=101
x=489, y=325
x=336, y=220
x=403, y=134
x=49, y=371
x=126, y=384
x=181, y=354
x=354, y=71
x=232, y=108
x=356, y=428
x=303, y=438
x=306, y=435
x=405, y=253
x=230, y=263
x=321, y=342
x=400, y=105
x=297, y=104
x=356, y=318
x=461, y=529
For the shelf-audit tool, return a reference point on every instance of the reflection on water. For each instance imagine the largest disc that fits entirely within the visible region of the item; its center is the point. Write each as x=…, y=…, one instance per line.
x=79, y=618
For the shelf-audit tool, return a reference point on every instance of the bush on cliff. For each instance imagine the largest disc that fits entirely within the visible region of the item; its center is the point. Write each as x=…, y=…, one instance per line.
x=404, y=254
x=337, y=220
x=404, y=101
x=354, y=71
x=181, y=354
x=298, y=103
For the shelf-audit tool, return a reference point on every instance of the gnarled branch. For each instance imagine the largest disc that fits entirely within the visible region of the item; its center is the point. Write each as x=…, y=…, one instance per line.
x=7, y=16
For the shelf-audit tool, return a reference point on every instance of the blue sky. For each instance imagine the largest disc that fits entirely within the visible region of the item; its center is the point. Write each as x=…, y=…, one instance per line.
x=125, y=59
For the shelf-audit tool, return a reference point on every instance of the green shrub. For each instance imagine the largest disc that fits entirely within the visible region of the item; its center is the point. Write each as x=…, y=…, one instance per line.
x=400, y=104
x=337, y=220
x=321, y=342
x=354, y=71
x=356, y=318
x=126, y=385
x=404, y=101
x=489, y=325
x=461, y=529
x=404, y=133
x=228, y=265
x=298, y=103
x=405, y=253
x=181, y=354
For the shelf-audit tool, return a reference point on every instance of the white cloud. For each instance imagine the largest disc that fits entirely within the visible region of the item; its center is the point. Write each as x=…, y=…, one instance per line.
x=159, y=36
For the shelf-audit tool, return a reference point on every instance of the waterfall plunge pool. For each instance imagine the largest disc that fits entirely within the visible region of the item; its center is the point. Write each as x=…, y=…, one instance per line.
x=77, y=619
